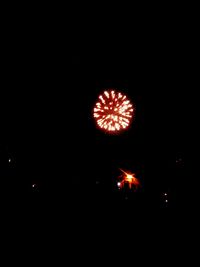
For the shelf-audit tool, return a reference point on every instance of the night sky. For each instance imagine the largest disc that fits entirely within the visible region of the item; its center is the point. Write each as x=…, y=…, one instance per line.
x=51, y=150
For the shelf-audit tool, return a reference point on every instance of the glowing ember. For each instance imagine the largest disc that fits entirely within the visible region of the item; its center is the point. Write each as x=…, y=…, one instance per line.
x=129, y=179
x=113, y=112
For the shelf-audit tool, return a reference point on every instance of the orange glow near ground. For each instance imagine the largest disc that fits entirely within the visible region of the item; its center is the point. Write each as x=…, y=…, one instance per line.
x=128, y=178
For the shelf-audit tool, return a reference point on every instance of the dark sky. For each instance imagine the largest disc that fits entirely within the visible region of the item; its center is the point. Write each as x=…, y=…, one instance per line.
x=51, y=82
x=53, y=65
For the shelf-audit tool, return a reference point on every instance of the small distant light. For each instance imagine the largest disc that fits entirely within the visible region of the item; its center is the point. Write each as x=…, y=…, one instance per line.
x=9, y=160
x=165, y=194
x=166, y=200
x=118, y=184
x=33, y=185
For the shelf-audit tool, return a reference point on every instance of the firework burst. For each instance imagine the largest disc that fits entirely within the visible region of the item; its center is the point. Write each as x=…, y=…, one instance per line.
x=113, y=112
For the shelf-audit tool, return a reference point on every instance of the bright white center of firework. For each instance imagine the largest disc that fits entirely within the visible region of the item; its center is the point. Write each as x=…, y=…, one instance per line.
x=113, y=111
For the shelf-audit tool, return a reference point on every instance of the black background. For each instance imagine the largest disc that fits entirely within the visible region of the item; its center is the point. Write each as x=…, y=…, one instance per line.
x=52, y=74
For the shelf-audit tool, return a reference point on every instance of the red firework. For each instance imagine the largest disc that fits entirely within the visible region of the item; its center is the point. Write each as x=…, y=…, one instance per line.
x=113, y=112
